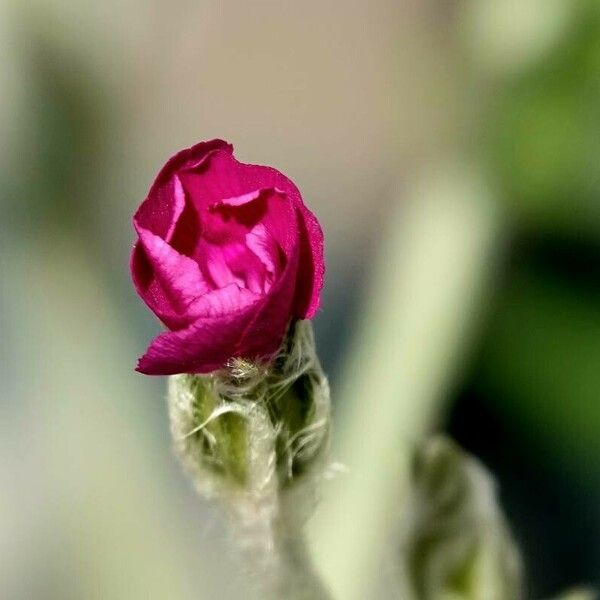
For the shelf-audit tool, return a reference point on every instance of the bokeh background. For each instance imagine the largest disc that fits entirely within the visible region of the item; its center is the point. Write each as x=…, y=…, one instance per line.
x=451, y=150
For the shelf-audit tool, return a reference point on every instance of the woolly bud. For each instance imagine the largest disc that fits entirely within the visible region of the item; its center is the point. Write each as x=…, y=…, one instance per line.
x=455, y=543
x=226, y=422
x=255, y=436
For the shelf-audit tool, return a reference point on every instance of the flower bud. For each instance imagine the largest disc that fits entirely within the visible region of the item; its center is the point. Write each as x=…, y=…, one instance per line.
x=227, y=255
x=251, y=426
x=455, y=543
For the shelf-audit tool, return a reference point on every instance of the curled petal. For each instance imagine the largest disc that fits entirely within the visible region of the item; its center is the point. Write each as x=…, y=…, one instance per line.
x=214, y=178
x=311, y=271
x=223, y=301
x=151, y=291
x=265, y=331
x=202, y=347
x=311, y=268
x=239, y=200
x=180, y=276
x=264, y=246
x=164, y=202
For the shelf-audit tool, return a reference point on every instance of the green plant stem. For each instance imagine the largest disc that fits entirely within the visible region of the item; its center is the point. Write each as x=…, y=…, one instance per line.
x=274, y=549
x=436, y=258
x=267, y=522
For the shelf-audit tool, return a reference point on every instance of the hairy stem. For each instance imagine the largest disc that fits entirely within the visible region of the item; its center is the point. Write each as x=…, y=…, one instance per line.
x=267, y=527
x=269, y=533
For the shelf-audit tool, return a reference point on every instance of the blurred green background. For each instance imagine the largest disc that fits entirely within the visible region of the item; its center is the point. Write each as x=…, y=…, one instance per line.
x=356, y=101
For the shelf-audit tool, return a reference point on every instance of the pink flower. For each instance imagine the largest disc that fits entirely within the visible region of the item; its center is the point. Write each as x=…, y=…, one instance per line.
x=227, y=255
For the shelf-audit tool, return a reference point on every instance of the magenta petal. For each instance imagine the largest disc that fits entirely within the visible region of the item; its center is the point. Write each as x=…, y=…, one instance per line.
x=164, y=203
x=311, y=269
x=239, y=200
x=267, y=205
x=151, y=291
x=233, y=263
x=214, y=178
x=162, y=208
x=228, y=299
x=204, y=346
x=218, y=261
x=265, y=332
x=264, y=246
x=180, y=276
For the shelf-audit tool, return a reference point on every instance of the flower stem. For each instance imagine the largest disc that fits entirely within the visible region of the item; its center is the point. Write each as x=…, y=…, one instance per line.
x=274, y=550
x=267, y=522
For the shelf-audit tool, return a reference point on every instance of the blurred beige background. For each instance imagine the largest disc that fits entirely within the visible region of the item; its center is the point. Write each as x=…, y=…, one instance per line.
x=363, y=104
